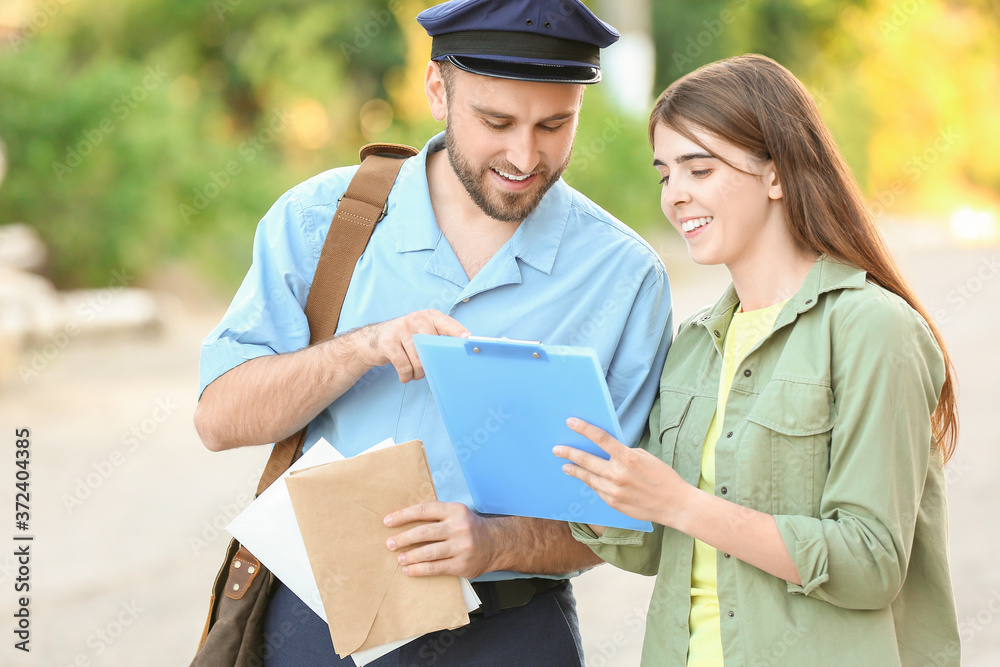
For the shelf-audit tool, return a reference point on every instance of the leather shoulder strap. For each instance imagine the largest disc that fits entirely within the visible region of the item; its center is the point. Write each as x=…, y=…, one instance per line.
x=363, y=205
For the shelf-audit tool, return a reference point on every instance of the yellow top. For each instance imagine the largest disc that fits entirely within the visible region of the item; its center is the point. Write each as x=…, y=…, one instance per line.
x=745, y=331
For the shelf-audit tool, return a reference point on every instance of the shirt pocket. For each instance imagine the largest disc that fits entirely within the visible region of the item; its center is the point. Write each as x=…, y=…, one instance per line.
x=673, y=408
x=789, y=430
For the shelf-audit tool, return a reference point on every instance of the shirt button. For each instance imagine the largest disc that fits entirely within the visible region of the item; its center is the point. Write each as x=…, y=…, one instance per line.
x=717, y=334
x=747, y=373
x=465, y=300
x=727, y=555
x=729, y=435
x=724, y=490
x=808, y=301
x=731, y=614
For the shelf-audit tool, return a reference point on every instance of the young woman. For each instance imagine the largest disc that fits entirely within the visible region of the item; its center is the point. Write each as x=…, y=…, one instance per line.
x=793, y=466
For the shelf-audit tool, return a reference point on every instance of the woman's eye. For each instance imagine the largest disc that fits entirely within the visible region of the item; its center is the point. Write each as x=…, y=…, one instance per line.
x=701, y=173
x=663, y=181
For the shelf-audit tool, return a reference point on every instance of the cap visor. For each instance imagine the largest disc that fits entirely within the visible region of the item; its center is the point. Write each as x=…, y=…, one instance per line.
x=527, y=71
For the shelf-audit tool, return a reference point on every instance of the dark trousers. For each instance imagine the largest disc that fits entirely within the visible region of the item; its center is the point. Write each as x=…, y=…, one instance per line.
x=544, y=632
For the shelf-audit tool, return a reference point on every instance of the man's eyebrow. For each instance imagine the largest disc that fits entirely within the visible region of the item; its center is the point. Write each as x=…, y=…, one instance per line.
x=684, y=158
x=493, y=113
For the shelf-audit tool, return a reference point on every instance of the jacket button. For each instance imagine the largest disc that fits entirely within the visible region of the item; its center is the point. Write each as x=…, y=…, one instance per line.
x=727, y=555
x=724, y=490
x=717, y=334
x=747, y=373
x=729, y=435
x=731, y=614
x=808, y=301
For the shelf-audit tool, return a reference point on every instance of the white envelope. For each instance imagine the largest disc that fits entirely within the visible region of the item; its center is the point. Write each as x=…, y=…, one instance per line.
x=267, y=527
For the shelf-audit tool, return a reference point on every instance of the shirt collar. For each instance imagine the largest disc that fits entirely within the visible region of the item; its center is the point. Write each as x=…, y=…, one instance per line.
x=419, y=231
x=536, y=241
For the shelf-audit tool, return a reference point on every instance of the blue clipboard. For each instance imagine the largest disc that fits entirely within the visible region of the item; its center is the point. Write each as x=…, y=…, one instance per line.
x=505, y=405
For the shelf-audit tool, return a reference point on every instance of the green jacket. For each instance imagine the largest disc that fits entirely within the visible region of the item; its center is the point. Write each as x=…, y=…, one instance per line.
x=828, y=429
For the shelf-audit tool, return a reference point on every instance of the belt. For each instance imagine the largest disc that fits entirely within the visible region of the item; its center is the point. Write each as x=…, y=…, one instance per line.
x=509, y=593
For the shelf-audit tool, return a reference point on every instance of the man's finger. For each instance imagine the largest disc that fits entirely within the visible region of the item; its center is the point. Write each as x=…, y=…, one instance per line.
x=411, y=353
x=431, y=511
x=400, y=361
x=426, y=553
x=430, y=532
x=448, y=326
x=433, y=568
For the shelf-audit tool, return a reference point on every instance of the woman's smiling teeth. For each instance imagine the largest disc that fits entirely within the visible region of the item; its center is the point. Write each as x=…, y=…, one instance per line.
x=695, y=223
x=511, y=177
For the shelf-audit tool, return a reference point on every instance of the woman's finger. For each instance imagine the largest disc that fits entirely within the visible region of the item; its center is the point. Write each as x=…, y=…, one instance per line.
x=581, y=458
x=597, y=435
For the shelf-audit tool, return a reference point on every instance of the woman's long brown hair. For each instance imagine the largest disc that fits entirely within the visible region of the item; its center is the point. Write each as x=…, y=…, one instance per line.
x=754, y=103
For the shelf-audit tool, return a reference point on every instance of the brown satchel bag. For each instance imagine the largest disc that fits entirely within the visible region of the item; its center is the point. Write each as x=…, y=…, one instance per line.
x=243, y=588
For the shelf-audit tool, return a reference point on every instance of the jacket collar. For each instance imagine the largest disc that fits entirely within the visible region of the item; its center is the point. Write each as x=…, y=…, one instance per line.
x=826, y=275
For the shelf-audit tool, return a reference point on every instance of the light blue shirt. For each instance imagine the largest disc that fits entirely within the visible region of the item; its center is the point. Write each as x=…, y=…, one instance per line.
x=570, y=275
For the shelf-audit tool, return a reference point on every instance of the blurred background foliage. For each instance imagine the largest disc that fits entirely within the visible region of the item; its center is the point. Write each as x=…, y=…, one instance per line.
x=145, y=134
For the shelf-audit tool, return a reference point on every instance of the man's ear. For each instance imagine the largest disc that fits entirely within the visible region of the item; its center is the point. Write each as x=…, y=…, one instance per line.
x=437, y=97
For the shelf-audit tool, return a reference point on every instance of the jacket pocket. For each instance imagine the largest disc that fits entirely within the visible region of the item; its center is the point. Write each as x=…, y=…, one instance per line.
x=795, y=420
x=673, y=408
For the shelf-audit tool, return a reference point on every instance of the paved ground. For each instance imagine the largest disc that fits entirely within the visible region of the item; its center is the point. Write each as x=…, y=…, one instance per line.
x=127, y=508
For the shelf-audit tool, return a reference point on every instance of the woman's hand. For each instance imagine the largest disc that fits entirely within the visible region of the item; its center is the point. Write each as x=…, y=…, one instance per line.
x=633, y=481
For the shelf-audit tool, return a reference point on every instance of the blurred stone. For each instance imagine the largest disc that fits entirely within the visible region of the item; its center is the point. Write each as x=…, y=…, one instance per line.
x=36, y=319
x=112, y=310
x=21, y=247
x=28, y=305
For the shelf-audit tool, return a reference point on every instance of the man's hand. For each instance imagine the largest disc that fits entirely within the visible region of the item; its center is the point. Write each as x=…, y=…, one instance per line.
x=453, y=540
x=391, y=342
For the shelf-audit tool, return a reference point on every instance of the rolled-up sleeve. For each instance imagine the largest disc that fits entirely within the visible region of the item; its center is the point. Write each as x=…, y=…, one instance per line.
x=626, y=549
x=630, y=550
x=887, y=373
x=267, y=315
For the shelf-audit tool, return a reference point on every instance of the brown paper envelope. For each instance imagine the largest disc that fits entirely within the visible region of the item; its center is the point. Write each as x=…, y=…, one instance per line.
x=339, y=507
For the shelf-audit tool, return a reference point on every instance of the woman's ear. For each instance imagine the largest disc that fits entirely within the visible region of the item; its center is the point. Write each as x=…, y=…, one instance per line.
x=774, y=183
x=434, y=87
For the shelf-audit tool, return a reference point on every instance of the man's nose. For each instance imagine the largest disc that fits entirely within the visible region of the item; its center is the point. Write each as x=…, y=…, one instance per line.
x=523, y=152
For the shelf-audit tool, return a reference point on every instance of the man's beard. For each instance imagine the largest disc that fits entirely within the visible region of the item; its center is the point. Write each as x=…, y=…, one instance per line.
x=499, y=205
